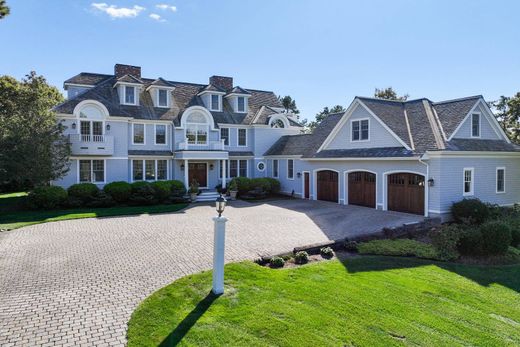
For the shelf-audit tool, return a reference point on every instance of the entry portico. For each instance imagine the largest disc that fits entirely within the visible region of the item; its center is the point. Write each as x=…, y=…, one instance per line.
x=203, y=166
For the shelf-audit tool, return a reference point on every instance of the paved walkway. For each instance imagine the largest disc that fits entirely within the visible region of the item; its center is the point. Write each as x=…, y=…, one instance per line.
x=77, y=282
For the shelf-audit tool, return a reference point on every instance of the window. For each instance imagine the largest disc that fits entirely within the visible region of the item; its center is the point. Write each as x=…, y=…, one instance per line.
x=215, y=102
x=277, y=124
x=149, y=170
x=130, y=95
x=475, y=125
x=138, y=134
x=137, y=170
x=92, y=171
x=162, y=98
x=162, y=169
x=91, y=131
x=233, y=168
x=260, y=166
x=275, y=168
x=238, y=168
x=468, y=181
x=160, y=134
x=501, y=179
x=360, y=130
x=241, y=104
x=224, y=135
x=242, y=137
x=242, y=168
x=290, y=169
x=197, y=129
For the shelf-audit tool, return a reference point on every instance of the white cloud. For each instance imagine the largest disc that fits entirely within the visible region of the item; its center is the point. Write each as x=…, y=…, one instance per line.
x=166, y=7
x=118, y=12
x=156, y=17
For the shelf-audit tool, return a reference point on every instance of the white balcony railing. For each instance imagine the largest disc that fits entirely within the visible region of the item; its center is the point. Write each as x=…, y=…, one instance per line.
x=92, y=138
x=209, y=145
x=91, y=144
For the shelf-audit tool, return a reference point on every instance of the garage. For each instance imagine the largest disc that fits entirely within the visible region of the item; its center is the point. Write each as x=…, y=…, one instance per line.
x=406, y=193
x=327, y=185
x=362, y=189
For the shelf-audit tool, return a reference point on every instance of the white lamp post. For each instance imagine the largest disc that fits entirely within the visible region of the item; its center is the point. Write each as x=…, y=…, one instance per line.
x=219, y=247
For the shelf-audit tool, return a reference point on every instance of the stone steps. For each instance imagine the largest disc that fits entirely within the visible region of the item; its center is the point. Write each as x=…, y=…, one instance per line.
x=208, y=196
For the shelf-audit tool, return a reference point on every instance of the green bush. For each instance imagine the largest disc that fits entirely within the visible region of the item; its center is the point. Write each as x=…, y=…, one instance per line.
x=301, y=257
x=142, y=194
x=496, y=237
x=101, y=199
x=83, y=191
x=470, y=211
x=162, y=190
x=276, y=262
x=260, y=183
x=399, y=247
x=177, y=188
x=446, y=241
x=470, y=242
x=351, y=246
x=326, y=252
x=275, y=185
x=47, y=197
x=243, y=184
x=514, y=225
x=119, y=191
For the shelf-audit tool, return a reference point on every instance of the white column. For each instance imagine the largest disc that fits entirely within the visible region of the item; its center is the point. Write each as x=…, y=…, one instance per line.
x=218, y=254
x=186, y=183
x=224, y=173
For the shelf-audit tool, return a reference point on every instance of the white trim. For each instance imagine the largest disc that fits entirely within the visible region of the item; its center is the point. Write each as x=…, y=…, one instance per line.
x=469, y=154
x=238, y=159
x=345, y=179
x=287, y=168
x=144, y=134
x=497, y=128
x=496, y=180
x=409, y=129
x=126, y=85
x=228, y=136
x=165, y=135
x=303, y=185
x=219, y=96
x=315, y=182
x=273, y=118
x=238, y=138
x=479, y=125
x=360, y=131
x=83, y=103
x=472, y=182
x=258, y=164
x=283, y=156
x=96, y=157
x=92, y=170
x=362, y=159
x=157, y=92
x=385, y=188
x=143, y=162
x=77, y=85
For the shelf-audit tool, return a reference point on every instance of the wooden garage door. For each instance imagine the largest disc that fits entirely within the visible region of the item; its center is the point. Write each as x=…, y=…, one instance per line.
x=327, y=185
x=406, y=193
x=362, y=189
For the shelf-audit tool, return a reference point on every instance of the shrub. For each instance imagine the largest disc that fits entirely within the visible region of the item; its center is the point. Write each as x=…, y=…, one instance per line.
x=47, y=197
x=514, y=225
x=243, y=184
x=276, y=262
x=496, y=237
x=194, y=187
x=162, y=190
x=120, y=191
x=326, y=252
x=177, y=188
x=470, y=242
x=399, y=247
x=83, y=191
x=301, y=257
x=446, y=240
x=260, y=183
x=142, y=194
x=470, y=211
x=275, y=185
x=101, y=199
x=351, y=246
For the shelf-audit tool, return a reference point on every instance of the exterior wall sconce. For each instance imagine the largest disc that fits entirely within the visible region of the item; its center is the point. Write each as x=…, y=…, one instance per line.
x=431, y=182
x=108, y=127
x=211, y=167
x=182, y=167
x=299, y=174
x=74, y=125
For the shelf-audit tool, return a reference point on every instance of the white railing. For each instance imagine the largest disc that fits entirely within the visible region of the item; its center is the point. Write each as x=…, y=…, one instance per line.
x=211, y=145
x=87, y=138
x=91, y=144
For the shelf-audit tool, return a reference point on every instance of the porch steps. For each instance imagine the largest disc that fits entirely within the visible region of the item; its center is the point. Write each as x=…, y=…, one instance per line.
x=207, y=196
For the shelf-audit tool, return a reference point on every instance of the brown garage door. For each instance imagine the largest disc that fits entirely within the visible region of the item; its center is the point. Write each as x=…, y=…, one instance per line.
x=406, y=193
x=327, y=185
x=362, y=189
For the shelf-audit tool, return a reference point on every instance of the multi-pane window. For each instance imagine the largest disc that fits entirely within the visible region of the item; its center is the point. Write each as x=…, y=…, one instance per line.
x=275, y=168
x=224, y=135
x=160, y=134
x=241, y=104
x=360, y=130
x=243, y=168
x=137, y=170
x=290, y=168
x=162, y=169
x=91, y=171
x=238, y=168
x=91, y=131
x=138, y=135
x=475, y=125
x=197, y=129
x=468, y=181
x=162, y=98
x=242, y=137
x=233, y=168
x=215, y=102
x=149, y=170
x=130, y=95
x=501, y=180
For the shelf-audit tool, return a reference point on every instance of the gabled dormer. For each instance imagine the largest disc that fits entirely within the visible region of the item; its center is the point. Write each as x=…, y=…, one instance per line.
x=238, y=99
x=161, y=93
x=212, y=95
x=128, y=83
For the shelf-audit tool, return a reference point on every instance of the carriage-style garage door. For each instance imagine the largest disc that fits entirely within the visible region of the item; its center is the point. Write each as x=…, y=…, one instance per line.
x=406, y=193
x=327, y=185
x=362, y=189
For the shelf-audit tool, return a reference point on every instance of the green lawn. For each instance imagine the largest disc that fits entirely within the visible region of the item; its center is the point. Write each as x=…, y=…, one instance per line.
x=13, y=218
x=367, y=301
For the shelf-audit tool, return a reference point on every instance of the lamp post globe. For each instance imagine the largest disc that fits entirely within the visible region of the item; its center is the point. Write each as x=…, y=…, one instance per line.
x=220, y=204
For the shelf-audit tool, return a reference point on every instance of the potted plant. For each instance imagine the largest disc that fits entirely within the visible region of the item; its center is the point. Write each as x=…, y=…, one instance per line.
x=194, y=190
x=233, y=189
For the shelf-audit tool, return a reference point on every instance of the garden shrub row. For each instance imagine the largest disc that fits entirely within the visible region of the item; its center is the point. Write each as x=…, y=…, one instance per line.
x=114, y=193
x=265, y=184
x=398, y=247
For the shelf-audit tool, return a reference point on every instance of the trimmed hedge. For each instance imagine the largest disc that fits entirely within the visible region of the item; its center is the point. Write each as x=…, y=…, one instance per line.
x=48, y=197
x=470, y=211
x=496, y=237
x=399, y=247
x=120, y=191
x=83, y=191
x=267, y=185
x=243, y=184
x=142, y=194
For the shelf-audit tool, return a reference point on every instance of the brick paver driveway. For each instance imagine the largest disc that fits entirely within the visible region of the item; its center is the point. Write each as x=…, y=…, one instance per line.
x=77, y=282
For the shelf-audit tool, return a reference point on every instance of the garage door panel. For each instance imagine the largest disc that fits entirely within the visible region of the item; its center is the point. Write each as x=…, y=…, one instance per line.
x=406, y=193
x=327, y=185
x=362, y=189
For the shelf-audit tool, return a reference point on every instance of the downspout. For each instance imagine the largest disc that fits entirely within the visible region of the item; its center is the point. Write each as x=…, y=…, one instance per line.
x=427, y=188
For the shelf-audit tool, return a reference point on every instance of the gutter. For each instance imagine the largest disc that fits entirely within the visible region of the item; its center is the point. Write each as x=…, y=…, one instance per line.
x=427, y=188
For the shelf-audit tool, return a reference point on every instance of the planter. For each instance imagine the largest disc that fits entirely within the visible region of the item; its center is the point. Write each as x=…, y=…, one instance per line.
x=193, y=197
x=233, y=194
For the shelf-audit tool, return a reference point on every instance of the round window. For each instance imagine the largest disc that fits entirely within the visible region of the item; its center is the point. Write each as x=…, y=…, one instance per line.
x=261, y=166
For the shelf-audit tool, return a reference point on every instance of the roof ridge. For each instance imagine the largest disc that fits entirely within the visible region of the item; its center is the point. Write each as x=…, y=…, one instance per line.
x=458, y=99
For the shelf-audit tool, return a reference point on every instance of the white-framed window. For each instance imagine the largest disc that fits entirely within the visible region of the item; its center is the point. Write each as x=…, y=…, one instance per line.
x=224, y=135
x=197, y=129
x=242, y=137
x=275, y=168
x=360, y=130
x=475, y=125
x=501, y=180
x=91, y=171
x=215, y=102
x=238, y=168
x=241, y=104
x=138, y=133
x=91, y=131
x=290, y=169
x=130, y=95
x=260, y=166
x=149, y=169
x=468, y=181
x=162, y=98
x=160, y=134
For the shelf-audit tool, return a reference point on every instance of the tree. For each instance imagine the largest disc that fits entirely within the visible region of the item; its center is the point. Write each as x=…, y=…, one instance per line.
x=508, y=115
x=33, y=147
x=289, y=104
x=4, y=9
x=320, y=116
x=389, y=94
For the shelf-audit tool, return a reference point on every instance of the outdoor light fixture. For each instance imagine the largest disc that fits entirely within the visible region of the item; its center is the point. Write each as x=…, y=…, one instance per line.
x=220, y=204
x=182, y=167
x=73, y=125
x=299, y=174
x=108, y=127
x=431, y=182
x=211, y=166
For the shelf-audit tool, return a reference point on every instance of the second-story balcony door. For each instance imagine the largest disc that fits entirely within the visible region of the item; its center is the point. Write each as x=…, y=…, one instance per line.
x=91, y=131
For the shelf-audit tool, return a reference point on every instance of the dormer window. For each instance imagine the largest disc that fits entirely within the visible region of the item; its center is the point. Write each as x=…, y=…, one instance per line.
x=241, y=104
x=130, y=95
x=162, y=98
x=475, y=125
x=215, y=102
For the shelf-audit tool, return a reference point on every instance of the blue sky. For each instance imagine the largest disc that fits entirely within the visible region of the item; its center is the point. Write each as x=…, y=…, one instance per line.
x=321, y=53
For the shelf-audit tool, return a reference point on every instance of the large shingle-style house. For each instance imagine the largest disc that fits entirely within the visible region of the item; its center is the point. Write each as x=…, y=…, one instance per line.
x=416, y=156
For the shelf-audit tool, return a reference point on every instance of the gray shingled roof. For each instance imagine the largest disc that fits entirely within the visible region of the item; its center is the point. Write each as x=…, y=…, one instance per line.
x=238, y=90
x=452, y=112
x=148, y=152
x=129, y=79
x=365, y=153
x=240, y=153
x=482, y=145
x=88, y=78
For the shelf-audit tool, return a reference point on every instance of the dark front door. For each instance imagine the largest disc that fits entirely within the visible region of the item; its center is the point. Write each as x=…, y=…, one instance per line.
x=198, y=172
x=327, y=185
x=306, y=183
x=362, y=189
x=406, y=193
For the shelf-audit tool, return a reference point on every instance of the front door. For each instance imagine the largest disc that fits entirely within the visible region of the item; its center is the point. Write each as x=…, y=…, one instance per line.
x=198, y=172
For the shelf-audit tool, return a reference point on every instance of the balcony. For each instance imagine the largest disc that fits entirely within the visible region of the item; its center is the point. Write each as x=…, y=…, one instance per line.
x=188, y=145
x=91, y=144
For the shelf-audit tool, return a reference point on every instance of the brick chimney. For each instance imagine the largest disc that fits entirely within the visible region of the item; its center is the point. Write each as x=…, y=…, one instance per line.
x=121, y=70
x=225, y=83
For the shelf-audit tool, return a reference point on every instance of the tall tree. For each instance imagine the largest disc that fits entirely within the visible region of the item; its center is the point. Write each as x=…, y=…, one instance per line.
x=4, y=9
x=32, y=145
x=320, y=116
x=389, y=94
x=289, y=104
x=508, y=115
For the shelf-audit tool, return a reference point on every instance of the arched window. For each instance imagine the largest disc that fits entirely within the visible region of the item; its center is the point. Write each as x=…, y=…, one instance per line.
x=278, y=121
x=91, y=112
x=197, y=128
x=277, y=124
x=91, y=127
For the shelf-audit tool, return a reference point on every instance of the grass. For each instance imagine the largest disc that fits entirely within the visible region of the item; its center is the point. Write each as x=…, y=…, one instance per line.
x=13, y=218
x=362, y=301
x=399, y=247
